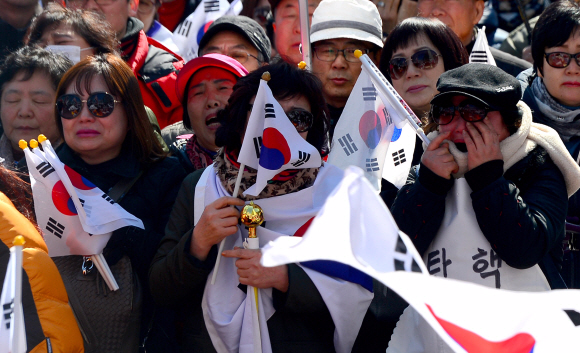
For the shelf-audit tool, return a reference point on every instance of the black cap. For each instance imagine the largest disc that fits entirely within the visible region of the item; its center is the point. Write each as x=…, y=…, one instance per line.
x=486, y=83
x=247, y=27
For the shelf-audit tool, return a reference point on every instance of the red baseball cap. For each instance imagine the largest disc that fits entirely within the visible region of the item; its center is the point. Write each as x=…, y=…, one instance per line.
x=210, y=60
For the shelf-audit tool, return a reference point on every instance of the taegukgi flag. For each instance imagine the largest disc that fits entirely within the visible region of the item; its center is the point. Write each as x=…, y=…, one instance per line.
x=188, y=34
x=271, y=143
x=75, y=217
x=459, y=316
x=12, y=330
x=364, y=131
x=480, y=52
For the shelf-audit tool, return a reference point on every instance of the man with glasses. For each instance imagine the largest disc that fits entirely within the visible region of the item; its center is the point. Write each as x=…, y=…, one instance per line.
x=154, y=65
x=15, y=17
x=238, y=37
x=339, y=27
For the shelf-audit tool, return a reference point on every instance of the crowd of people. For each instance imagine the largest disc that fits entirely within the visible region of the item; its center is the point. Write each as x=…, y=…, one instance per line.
x=104, y=81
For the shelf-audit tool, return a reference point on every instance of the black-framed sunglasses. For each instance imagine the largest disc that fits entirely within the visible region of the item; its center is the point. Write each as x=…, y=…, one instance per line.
x=301, y=119
x=99, y=104
x=560, y=60
x=469, y=111
x=425, y=59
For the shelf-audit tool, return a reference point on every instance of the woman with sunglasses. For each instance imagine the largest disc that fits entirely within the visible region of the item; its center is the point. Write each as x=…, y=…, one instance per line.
x=488, y=202
x=554, y=91
x=109, y=141
x=181, y=270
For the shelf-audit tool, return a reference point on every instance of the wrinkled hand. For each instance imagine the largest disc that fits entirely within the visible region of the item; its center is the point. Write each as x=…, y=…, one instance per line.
x=438, y=158
x=252, y=273
x=392, y=14
x=217, y=221
x=482, y=143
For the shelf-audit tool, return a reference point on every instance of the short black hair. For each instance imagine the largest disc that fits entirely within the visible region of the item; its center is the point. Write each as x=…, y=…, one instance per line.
x=443, y=38
x=554, y=27
x=287, y=81
x=29, y=60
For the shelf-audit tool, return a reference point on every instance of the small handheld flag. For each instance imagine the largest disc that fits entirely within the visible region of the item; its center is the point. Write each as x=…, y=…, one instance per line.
x=480, y=52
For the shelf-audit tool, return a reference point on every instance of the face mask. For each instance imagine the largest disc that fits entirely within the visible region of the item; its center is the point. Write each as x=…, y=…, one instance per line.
x=72, y=52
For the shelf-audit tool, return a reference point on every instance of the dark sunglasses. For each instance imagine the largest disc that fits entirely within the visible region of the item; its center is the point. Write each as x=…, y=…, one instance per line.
x=561, y=60
x=300, y=118
x=425, y=59
x=100, y=105
x=468, y=110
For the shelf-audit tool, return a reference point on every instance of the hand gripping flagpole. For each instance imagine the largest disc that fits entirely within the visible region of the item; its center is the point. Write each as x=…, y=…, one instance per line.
x=266, y=77
x=252, y=216
x=305, y=33
x=389, y=92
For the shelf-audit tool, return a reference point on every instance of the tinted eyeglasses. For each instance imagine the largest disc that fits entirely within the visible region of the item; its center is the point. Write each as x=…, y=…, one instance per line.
x=300, y=118
x=99, y=104
x=425, y=59
x=469, y=111
x=560, y=60
x=329, y=54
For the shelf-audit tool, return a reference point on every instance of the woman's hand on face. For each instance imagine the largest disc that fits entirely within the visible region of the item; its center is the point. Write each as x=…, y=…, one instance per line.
x=217, y=221
x=438, y=158
x=252, y=273
x=482, y=143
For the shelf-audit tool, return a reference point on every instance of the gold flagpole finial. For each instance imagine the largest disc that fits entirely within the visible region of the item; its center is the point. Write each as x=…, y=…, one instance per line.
x=41, y=138
x=266, y=76
x=22, y=144
x=302, y=65
x=252, y=216
x=33, y=143
x=19, y=240
x=358, y=53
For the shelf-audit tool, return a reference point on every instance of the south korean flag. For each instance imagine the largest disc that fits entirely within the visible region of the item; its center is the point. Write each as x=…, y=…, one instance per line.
x=12, y=329
x=363, y=132
x=271, y=143
x=480, y=52
x=188, y=34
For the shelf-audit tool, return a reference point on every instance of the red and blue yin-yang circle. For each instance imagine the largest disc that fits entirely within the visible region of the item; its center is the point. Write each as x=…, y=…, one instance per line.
x=202, y=31
x=371, y=127
x=275, y=151
x=62, y=200
x=78, y=180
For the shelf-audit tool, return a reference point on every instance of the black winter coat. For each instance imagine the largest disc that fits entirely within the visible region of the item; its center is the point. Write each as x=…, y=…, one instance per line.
x=521, y=212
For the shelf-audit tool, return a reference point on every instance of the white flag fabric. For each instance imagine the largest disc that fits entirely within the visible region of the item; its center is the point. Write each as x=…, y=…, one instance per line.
x=12, y=330
x=447, y=315
x=75, y=217
x=480, y=52
x=353, y=227
x=228, y=311
x=400, y=155
x=189, y=33
x=364, y=131
x=271, y=143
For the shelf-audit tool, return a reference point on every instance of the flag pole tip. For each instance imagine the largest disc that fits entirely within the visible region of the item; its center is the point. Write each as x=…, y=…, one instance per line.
x=302, y=65
x=41, y=138
x=19, y=240
x=358, y=53
x=266, y=76
x=33, y=143
x=22, y=144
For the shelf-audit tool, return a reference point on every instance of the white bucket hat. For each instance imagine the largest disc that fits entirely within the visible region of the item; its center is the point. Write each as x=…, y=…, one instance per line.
x=354, y=19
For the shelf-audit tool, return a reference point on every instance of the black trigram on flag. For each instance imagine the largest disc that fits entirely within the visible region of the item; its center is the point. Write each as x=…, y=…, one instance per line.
x=478, y=56
x=347, y=144
x=303, y=157
x=108, y=199
x=372, y=165
x=369, y=93
x=8, y=309
x=184, y=28
x=258, y=145
x=269, y=111
x=401, y=257
x=54, y=227
x=399, y=157
x=44, y=169
x=574, y=316
x=87, y=208
x=211, y=6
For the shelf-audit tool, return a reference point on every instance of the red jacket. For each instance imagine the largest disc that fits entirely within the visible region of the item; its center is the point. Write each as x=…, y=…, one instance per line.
x=156, y=68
